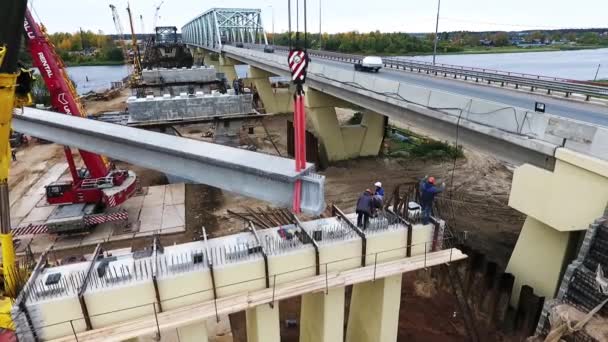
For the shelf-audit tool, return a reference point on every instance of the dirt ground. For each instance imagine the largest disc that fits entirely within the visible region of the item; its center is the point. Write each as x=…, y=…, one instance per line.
x=116, y=104
x=478, y=189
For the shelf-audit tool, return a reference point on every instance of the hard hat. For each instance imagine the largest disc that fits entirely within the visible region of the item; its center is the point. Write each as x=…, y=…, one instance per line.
x=378, y=184
x=431, y=180
x=368, y=190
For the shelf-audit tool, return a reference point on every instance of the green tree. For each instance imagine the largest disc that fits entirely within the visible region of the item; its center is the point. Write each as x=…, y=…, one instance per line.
x=114, y=54
x=501, y=39
x=590, y=38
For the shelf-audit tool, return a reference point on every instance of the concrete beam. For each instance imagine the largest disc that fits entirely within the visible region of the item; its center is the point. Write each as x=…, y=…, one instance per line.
x=251, y=174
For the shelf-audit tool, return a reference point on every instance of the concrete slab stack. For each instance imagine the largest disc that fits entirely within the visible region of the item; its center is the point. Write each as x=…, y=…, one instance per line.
x=187, y=107
x=184, y=75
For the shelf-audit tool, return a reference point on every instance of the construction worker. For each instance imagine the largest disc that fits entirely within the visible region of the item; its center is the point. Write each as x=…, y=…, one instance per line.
x=364, y=209
x=428, y=190
x=379, y=190
x=236, y=86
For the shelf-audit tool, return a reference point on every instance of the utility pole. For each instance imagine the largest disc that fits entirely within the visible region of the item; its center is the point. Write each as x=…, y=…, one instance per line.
x=272, y=9
x=597, y=72
x=436, y=32
x=320, y=31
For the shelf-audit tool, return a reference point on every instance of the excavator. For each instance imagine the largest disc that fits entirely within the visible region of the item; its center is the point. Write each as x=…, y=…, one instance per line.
x=97, y=185
x=94, y=187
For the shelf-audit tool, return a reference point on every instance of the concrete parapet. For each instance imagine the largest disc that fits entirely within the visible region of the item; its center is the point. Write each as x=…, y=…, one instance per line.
x=187, y=106
x=183, y=75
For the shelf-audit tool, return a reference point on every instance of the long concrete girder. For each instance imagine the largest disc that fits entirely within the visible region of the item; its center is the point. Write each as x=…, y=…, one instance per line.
x=513, y=148
x=262, y=176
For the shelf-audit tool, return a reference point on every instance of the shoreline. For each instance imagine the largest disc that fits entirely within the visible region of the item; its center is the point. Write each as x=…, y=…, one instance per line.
x=93, y=63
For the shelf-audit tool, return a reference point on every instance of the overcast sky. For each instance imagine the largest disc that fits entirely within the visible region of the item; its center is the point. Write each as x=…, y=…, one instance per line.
x=340, y=15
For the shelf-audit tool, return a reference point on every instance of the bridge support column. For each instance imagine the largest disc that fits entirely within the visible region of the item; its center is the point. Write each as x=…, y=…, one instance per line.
x=196, y=332
x=263, y=324
x=226, y=65
x=343, y=142
x=558, y=204
x=374, y=311
x=322, y=316
x=275, y=100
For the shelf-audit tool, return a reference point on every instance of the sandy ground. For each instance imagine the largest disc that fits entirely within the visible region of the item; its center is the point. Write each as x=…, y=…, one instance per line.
x=478, y=192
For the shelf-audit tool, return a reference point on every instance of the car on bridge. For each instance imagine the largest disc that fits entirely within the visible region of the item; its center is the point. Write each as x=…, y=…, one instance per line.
x=369, y=63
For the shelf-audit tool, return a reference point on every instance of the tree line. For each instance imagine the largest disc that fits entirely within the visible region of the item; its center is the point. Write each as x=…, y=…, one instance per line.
x=402, y=43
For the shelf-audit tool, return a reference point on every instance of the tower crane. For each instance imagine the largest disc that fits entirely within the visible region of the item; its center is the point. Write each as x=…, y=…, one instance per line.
x=120, y=32
x=137, y=55
x=156, y=14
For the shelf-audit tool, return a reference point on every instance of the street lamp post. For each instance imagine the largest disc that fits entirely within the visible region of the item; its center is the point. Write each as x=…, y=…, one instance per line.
x=436, y=32
x=272, y=9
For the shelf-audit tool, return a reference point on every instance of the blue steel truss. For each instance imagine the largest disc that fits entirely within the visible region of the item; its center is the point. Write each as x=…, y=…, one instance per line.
x=219, y=26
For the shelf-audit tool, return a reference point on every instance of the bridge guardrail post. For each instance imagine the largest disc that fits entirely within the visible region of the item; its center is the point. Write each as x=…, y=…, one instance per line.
x=156, y=318
x=73, y=330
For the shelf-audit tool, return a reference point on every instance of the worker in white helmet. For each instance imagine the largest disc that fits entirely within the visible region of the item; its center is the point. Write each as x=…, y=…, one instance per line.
x=379, y=190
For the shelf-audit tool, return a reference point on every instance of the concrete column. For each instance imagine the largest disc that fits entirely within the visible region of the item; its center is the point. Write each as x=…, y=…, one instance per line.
x=374, y=311
x=557, y=203
x=263, y=324
x=226, y=65
x=342, y=142
x=196, y=332
x=275, y=101
x=538, y=258
x=322, y=316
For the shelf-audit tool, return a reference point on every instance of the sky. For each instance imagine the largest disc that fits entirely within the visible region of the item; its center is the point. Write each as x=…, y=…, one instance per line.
x=338, y=15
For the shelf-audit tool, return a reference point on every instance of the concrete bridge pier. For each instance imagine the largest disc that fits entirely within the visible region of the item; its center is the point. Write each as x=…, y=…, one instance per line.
x=322, y=316
x=224, y=64
x=342, y=142
x=374, y=311
x=263, y=323
x=196, y=332
x=199, y=55
x=275, y=100
x=560, y=205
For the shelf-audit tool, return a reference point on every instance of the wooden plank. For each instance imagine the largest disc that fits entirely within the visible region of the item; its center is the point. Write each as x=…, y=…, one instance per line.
x=199, y=312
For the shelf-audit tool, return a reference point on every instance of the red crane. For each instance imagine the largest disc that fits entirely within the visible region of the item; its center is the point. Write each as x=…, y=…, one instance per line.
x=99, y=182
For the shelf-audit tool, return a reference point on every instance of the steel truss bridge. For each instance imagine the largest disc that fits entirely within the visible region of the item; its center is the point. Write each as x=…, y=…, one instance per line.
x=219, y=26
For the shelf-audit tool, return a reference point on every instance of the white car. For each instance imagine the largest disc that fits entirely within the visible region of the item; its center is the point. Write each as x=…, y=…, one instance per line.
x=369, y=63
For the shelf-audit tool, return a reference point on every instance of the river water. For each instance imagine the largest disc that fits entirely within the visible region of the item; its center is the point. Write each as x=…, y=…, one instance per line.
x=99, y=77
x=578, y=65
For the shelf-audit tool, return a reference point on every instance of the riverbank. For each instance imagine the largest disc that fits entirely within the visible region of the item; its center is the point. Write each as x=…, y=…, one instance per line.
x=496, y=50
x=93, y=63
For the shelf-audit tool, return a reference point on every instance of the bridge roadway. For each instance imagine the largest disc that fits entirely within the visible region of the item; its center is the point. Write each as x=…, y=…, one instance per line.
x=583, y=111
